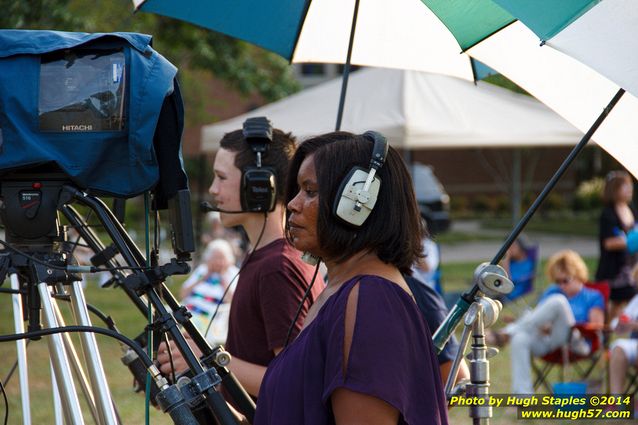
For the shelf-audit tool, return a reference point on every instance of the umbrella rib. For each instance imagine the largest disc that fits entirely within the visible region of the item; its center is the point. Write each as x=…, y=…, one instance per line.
x=464, y=50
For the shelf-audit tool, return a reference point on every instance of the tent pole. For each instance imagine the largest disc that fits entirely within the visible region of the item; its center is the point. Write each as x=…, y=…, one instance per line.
x=346, y=68
x=516, y=185
x=446, y=329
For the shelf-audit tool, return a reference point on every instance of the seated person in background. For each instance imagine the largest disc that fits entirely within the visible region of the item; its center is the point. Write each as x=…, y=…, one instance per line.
x=203, y=292
x=216, y=230
x=548, y=326
x=624, y=351
x=426, y=269
x=520, y=267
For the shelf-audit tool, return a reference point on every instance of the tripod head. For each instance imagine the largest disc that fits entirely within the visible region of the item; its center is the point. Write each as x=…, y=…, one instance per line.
x=28, y=209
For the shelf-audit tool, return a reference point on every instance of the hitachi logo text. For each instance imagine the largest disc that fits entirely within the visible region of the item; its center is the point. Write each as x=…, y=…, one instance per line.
x=74, y=127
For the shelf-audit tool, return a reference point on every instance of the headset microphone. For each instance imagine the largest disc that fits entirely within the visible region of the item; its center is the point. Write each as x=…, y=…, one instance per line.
x=206, y=207
x=308, y=258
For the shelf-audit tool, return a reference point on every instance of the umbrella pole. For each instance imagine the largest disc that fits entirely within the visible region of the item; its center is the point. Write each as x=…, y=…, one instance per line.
x=453, y=318
x=346, y=68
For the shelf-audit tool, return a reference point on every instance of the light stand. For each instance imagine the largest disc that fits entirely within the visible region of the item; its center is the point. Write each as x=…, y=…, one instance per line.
x=447, y=328
x=481, y=314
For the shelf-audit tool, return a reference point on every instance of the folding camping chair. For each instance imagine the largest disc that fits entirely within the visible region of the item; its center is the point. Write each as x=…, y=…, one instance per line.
x=563, y=356
x=523, y=284
x=632, y=381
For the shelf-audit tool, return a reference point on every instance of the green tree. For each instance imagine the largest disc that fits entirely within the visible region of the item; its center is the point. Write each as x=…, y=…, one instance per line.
x=38, y=14
x=245, y=67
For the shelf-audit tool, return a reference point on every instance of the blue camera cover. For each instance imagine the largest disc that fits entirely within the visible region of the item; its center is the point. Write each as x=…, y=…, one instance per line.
x=89, y=103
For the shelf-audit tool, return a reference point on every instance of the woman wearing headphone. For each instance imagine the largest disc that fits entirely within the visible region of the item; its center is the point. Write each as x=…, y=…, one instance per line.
x=365, y=354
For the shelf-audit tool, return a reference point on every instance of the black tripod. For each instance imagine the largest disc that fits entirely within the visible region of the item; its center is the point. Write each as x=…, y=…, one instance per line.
x=145, y=287
x=38, y=276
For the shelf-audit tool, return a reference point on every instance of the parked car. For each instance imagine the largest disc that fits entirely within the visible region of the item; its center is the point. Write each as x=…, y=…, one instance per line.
x=434, y=202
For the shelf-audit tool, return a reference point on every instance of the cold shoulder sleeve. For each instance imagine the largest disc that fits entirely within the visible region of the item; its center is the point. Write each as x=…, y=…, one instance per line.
x=391, y=355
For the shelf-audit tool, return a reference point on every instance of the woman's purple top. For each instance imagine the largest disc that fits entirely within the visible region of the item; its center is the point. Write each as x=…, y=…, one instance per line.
x=391, y=358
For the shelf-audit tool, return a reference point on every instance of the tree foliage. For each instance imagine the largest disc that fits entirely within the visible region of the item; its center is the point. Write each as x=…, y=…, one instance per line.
x=245, y=67
x=38, y=14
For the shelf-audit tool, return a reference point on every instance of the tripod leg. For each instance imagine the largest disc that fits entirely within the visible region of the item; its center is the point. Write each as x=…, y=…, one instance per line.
x=97, y=376
x=57, y=403
x=62, y=370
x=21, y=347
x=75, y=363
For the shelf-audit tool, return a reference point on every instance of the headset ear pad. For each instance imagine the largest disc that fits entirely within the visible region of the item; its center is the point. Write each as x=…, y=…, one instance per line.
x=258, y=190
x=345, y=206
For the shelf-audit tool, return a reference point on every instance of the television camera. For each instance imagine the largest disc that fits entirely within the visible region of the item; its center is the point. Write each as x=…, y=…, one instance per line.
x=98, y=115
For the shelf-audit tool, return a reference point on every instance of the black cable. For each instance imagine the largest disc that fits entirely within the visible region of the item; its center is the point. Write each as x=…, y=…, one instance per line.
x=35, y=260
x=10, y=291
x=77, y=240
x=5, y=382
x=113, y=269
x=56, y=267
x=6, y=403
x=148, y=363
x=12, y=370
x=303, y=300
x=108, y=321
x=170, y=358
x=156, y=233
x=78, y=244
x=220, y=302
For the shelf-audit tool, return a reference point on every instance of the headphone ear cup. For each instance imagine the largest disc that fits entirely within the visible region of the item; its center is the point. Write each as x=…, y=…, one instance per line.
x=258, y=190
x=345, y=205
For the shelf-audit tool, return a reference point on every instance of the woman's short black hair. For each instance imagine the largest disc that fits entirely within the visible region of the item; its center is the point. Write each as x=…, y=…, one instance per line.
x=393, y=230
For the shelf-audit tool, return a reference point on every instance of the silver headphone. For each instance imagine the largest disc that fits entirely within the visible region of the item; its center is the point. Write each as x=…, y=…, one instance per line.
x=358, y=192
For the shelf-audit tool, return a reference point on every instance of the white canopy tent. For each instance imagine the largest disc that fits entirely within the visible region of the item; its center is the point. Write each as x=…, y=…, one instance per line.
x=414, y=110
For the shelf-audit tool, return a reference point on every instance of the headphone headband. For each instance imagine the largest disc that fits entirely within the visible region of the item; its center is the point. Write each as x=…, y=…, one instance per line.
x=380, y=149
x=258, y=188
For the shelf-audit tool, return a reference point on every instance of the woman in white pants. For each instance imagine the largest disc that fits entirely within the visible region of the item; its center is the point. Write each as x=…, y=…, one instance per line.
x=548, y=326
x=624, y=351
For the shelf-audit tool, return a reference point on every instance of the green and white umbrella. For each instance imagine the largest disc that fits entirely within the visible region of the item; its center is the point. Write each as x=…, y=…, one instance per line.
x=552, y=50
x=600, y=34
x=402, y=34
x=576, y=72
x=574, y=56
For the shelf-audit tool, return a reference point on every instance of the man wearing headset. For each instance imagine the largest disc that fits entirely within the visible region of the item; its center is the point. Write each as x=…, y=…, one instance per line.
x=248, y=187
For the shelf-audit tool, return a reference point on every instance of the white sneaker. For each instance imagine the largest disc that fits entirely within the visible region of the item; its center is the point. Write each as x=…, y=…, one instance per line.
x=579, y=345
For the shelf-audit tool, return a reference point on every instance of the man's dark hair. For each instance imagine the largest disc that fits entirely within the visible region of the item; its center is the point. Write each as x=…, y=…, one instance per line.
x=277, y=157
x=393, y=230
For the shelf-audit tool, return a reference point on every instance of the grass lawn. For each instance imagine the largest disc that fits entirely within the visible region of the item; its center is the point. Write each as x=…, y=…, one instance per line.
x=131, y=406
x=579, y=224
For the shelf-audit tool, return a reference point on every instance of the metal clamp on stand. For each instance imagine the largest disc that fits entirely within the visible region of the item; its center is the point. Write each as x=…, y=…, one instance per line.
x=482, y=313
